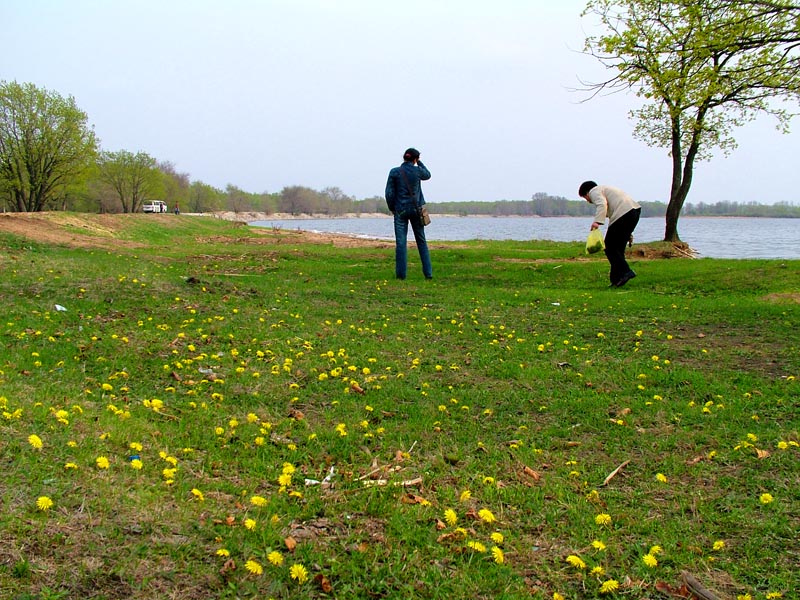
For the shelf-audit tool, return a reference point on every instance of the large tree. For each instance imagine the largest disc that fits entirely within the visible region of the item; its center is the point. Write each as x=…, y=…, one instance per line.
x=703, y=68
x=134, y=178
x=46, y=146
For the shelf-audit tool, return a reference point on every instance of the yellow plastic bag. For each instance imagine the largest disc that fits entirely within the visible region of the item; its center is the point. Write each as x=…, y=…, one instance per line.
x=595, y=243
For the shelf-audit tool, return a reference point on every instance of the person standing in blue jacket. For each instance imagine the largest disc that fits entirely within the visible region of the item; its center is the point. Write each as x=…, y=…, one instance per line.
x=404, y=197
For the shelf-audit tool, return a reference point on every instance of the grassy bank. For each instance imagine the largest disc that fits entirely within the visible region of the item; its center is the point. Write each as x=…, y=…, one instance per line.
x=192, y=409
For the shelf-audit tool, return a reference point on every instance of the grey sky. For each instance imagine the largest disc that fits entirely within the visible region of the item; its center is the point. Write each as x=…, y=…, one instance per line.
x=272, y=93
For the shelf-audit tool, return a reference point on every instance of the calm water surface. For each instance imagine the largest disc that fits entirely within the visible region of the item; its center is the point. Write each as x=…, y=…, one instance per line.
x=711, y=237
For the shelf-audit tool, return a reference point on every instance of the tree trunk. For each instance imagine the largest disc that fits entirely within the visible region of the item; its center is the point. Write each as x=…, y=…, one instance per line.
x=681, y=180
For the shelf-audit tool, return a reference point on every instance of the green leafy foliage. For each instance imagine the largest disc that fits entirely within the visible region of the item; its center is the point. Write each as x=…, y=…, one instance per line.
x=46, y=147
x=702, y=68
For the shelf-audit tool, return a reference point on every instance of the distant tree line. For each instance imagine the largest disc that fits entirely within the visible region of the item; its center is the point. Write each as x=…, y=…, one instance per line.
x=50, y=159
x=734, y=209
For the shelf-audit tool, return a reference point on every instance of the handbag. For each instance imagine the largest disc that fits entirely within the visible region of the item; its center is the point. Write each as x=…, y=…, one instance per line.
x=424, y=216
x=422, y=211
x=595, y=242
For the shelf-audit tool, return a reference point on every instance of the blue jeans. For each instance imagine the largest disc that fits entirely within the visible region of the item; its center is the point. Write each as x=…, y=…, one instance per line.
x=401, y=245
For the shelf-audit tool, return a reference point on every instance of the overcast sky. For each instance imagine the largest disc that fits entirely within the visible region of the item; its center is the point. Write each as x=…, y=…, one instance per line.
x=265, y=94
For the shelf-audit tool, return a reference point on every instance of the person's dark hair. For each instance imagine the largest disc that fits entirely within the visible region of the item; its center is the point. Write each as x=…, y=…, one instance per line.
x=586, y=187
x=410, y=155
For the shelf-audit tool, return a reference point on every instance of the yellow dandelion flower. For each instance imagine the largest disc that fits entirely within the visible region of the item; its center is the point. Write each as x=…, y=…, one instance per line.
x=284, y=479
x=465, y=495
x=774, y=595
x=44, y=503
x=70, y=465
x=609, y=586
x=497, y=555
x=198, y=494
x=661, y=477
x=102, y=462
x=250, y=524
x=298, y=572
x=766, y=498
x=223, y=552
x=497, y=537
x=136, y=464
x=258, y=501
x=254, y=567
x=486, y=515
x=603, y=519
x=557, y=596
x=598, y=571
x=35, y=441
x=275, y=557
x=288, y=468
x=744, y=597
x=656, y=550
x=488, y=481
x=450, y=516
x=719, y=545
x=650, y=560
x=598, y=545
x=477, y=546
x=576, y=561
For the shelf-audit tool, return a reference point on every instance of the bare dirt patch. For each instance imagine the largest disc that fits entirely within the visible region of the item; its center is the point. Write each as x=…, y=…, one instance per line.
x=787, y=298
x=67, y=229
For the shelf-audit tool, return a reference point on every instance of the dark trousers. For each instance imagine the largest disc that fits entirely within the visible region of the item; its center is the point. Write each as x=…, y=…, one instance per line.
x=617, y=237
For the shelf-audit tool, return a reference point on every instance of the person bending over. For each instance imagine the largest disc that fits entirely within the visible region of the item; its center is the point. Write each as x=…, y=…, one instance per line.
x=623, y=214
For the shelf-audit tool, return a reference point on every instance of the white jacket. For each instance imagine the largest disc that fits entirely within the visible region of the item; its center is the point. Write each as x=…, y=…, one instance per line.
x=611, y=202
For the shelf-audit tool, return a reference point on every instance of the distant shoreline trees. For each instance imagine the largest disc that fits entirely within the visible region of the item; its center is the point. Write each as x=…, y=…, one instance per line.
x=50, y=159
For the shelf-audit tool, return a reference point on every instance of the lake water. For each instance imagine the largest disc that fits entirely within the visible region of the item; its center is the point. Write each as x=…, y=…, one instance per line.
x=711, y=237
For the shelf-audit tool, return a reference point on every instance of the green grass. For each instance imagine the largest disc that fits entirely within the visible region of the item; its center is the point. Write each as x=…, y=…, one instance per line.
x=515, y=382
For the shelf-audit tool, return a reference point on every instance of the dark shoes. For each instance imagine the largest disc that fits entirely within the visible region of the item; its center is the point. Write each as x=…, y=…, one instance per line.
x=624, y=279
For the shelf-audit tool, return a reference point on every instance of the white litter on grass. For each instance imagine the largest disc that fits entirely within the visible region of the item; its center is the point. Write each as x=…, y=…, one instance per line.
x=60, y=308
x=325, y=482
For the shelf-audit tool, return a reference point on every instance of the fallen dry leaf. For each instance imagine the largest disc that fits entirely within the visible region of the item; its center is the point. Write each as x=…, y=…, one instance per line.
x=763, y=453
x=535, y=475
x=290, y=543
x=357, y=388
x=229, y=565
x=323, y=583
x=412, y=499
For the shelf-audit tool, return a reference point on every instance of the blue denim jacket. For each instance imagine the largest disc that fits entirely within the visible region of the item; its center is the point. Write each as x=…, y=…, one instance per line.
x=398, y=197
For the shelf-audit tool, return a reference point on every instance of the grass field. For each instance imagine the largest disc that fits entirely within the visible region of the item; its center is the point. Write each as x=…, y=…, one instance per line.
x=192, y=409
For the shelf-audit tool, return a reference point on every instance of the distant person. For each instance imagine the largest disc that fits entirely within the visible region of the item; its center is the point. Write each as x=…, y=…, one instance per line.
x=177, y=209
x=623, y=214
x=404, y=197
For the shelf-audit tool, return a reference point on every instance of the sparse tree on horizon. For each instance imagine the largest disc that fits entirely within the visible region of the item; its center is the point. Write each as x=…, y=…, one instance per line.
x=703, y=68
x=134, y=178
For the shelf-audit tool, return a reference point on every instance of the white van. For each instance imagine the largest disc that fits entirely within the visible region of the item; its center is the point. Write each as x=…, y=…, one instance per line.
x=154, y=206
